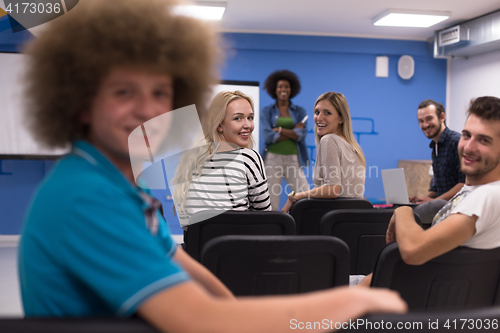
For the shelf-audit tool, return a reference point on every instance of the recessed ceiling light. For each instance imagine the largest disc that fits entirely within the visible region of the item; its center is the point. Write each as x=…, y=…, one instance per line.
x=410, y=18
x=202, y=10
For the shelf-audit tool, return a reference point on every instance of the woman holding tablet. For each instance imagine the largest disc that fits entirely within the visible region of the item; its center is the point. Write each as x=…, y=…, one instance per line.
x=284, y=128
x=340, y=163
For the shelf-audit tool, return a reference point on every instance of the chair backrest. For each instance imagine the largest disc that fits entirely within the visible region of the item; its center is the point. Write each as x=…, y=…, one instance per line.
x=363, y=230
x=463, y=278
x=75, y=325
x=234, y=223
x=270, y=265
x=431, y=322
x=307, y=213
x=422, y=322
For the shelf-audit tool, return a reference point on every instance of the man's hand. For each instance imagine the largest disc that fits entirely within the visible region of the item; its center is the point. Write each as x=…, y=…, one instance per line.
x=390, y=235
x=424, y=199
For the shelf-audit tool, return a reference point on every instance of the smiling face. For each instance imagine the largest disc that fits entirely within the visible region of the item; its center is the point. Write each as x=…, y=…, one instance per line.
x=125, y=100
x=327, y=119
x=283, y=90
x=237, y=126
x=479, y=150
x=430, y=123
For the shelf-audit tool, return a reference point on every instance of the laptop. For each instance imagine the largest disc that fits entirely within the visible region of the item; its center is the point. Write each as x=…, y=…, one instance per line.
x=395, y=187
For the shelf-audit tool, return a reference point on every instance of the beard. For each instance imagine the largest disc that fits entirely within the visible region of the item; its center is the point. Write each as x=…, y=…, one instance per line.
x=484, y=166
x=433, y=134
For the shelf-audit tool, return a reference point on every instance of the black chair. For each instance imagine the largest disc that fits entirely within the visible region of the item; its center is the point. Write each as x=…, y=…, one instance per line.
x=463, y=278
x=307, y=213
x=75, y=325
x=270, y=265
x=234, y=223
x=364, y=232
x=487, y=319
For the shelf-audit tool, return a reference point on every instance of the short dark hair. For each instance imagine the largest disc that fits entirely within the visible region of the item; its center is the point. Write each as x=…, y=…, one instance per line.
x=272, y=81
x=439, y=106
x=69, y=61
x=486, y=107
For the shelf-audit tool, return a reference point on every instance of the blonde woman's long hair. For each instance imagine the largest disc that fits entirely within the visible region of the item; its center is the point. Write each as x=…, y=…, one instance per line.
x=194, y=159
x=339, y=102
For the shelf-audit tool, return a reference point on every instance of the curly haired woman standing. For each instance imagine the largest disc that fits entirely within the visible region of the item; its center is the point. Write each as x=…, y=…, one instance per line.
x=284, y=128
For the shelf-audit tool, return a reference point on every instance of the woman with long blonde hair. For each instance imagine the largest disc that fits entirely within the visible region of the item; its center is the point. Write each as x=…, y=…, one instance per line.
x=224, y=172
x=340, y=163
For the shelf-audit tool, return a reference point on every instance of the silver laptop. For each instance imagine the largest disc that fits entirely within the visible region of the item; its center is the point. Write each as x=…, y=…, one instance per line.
x=395, y=187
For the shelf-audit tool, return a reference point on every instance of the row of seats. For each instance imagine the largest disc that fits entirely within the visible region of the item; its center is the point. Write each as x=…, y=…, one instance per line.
x=423, y=322
x=362, y=229
x=260, y=253
x=269, y=265
x=307, y=213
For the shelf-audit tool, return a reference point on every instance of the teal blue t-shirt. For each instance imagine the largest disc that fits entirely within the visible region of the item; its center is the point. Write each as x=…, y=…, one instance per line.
x=92, y=245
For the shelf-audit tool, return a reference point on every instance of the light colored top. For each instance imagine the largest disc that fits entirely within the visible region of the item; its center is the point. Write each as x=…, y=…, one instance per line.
x=338, y=164
x=231, y=180
x=481, y=201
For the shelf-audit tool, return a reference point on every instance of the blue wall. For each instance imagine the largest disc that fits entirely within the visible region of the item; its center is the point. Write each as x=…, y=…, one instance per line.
x=346, y=65
x=18, y=179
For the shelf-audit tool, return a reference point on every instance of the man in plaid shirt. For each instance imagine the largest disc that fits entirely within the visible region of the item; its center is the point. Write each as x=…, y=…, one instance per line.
x=447, y=179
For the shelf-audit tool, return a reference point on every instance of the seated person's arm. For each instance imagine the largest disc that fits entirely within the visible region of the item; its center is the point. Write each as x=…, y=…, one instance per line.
x=322, y=192
x=201, y=274
x=189, y=308
x=430, y=196
x=451, y=193
x=418, y=246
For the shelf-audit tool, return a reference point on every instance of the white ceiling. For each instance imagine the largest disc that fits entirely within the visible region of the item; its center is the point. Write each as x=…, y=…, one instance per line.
x=351, y=18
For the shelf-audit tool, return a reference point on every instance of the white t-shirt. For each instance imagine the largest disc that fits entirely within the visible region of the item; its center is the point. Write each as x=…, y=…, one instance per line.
x=482, y=201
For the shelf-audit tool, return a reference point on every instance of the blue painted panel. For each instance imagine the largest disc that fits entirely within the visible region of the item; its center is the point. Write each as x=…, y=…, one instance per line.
x=346, y=65
x=18, y=181
x=9, y=41
x=165, y=197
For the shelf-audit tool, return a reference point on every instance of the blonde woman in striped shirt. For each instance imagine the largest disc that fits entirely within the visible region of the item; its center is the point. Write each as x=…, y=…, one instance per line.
x=225, y=173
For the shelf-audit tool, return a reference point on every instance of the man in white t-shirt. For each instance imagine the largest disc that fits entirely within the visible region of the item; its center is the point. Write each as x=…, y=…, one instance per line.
x=472, y=217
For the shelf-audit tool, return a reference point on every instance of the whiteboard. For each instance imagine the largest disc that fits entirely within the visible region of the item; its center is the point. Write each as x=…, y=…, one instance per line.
x=16, y=140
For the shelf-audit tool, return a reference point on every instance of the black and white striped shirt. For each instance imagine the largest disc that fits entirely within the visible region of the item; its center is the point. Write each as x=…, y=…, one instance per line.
x=232, y=180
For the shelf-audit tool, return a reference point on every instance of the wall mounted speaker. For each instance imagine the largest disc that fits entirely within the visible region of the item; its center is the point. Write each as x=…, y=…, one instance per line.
x=406, y=67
